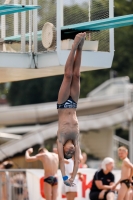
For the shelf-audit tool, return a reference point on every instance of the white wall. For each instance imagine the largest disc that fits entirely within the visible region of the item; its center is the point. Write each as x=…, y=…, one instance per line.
x=34, y=176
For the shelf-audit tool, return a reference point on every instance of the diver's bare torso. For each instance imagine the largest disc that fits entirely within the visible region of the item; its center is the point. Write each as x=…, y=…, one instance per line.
x=50, y=163
x=125, y=170
x=68, y=128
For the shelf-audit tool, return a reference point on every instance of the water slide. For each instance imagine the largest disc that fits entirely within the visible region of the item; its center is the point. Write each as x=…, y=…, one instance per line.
x=106, y=106
x=47, y=112
x=41, y=133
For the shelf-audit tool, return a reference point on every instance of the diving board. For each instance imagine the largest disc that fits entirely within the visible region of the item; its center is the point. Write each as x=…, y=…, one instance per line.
x=17, y=38
x=71, y=30
x=15, y=8
x=97, y=25
x=22, y=55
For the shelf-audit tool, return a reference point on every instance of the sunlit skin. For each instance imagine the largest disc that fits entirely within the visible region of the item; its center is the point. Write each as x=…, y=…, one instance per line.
x=50, y=165
x=126, y=174
x=69, y=148
x=109, y=167
x=68, y=127
x=122, y=154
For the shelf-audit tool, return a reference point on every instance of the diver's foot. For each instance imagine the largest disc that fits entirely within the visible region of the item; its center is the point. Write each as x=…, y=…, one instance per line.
x=82, y=41
x=77, y=40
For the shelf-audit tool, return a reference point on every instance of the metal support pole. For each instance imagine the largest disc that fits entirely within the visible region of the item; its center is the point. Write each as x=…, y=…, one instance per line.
x=30, y=28
x=131, y=141
x=1, y=44
x=62, y=13
x=3, y=26
x=35, y=27
x=89, y=16
x=58, y=17
x=8, y=186
x=89, y=11
x=16, y=20
x=23, y=28
x=111, y=31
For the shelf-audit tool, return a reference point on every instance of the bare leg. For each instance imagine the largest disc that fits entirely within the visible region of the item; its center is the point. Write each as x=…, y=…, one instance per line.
x=48, y=191
x=101, y=194
x=128, y=195
x=54, y=192
x=110, y=196
x=75, y=86
x=64, y=91
x=122, y=192
x=71, y=195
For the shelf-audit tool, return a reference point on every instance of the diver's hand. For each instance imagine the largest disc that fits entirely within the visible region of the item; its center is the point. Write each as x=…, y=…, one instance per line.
x=113, y=186
x=69, y=183
x=71, y=180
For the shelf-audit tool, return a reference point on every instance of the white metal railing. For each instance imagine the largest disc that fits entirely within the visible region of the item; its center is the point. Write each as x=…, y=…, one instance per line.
x=106, y=84
x=113, y=88
x=19, y=22
x=13, y=185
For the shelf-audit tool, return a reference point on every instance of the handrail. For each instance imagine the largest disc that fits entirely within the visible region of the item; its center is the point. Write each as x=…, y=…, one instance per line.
x=108, y=82
x=15, y=8
x=119, y=139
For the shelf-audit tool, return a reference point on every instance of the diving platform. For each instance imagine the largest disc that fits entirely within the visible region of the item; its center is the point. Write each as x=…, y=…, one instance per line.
x=69, y=32
x=97, y=25
x=23, y=47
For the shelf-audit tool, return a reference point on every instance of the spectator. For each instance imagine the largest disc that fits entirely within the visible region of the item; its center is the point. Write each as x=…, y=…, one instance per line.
x=50, y=166
x=19, y=184
x=126, y=174
x=103, y=181
x=6, y=165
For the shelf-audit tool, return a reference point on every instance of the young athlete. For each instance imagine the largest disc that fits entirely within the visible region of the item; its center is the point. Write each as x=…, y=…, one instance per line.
x=68, y=129
x=50, y=166
x=126, y=174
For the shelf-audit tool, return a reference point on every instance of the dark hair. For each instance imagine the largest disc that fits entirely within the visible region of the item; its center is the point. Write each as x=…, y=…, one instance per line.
x=67, y=157
x=7, y=164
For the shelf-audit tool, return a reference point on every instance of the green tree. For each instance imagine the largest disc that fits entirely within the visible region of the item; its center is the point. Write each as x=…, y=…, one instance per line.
x=123, y=60
x=34, y=91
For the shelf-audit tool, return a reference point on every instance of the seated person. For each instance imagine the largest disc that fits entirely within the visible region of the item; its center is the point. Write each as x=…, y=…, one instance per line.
x=103, y=182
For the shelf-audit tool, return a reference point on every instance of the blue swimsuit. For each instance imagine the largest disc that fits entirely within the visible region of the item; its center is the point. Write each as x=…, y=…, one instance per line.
x=69, y=103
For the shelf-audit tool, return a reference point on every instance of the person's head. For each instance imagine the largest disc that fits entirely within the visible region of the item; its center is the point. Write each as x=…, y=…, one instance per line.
x=122, y=152
x=7, y=165
x=107, y=164
x=42, y=150
x=68, y=149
